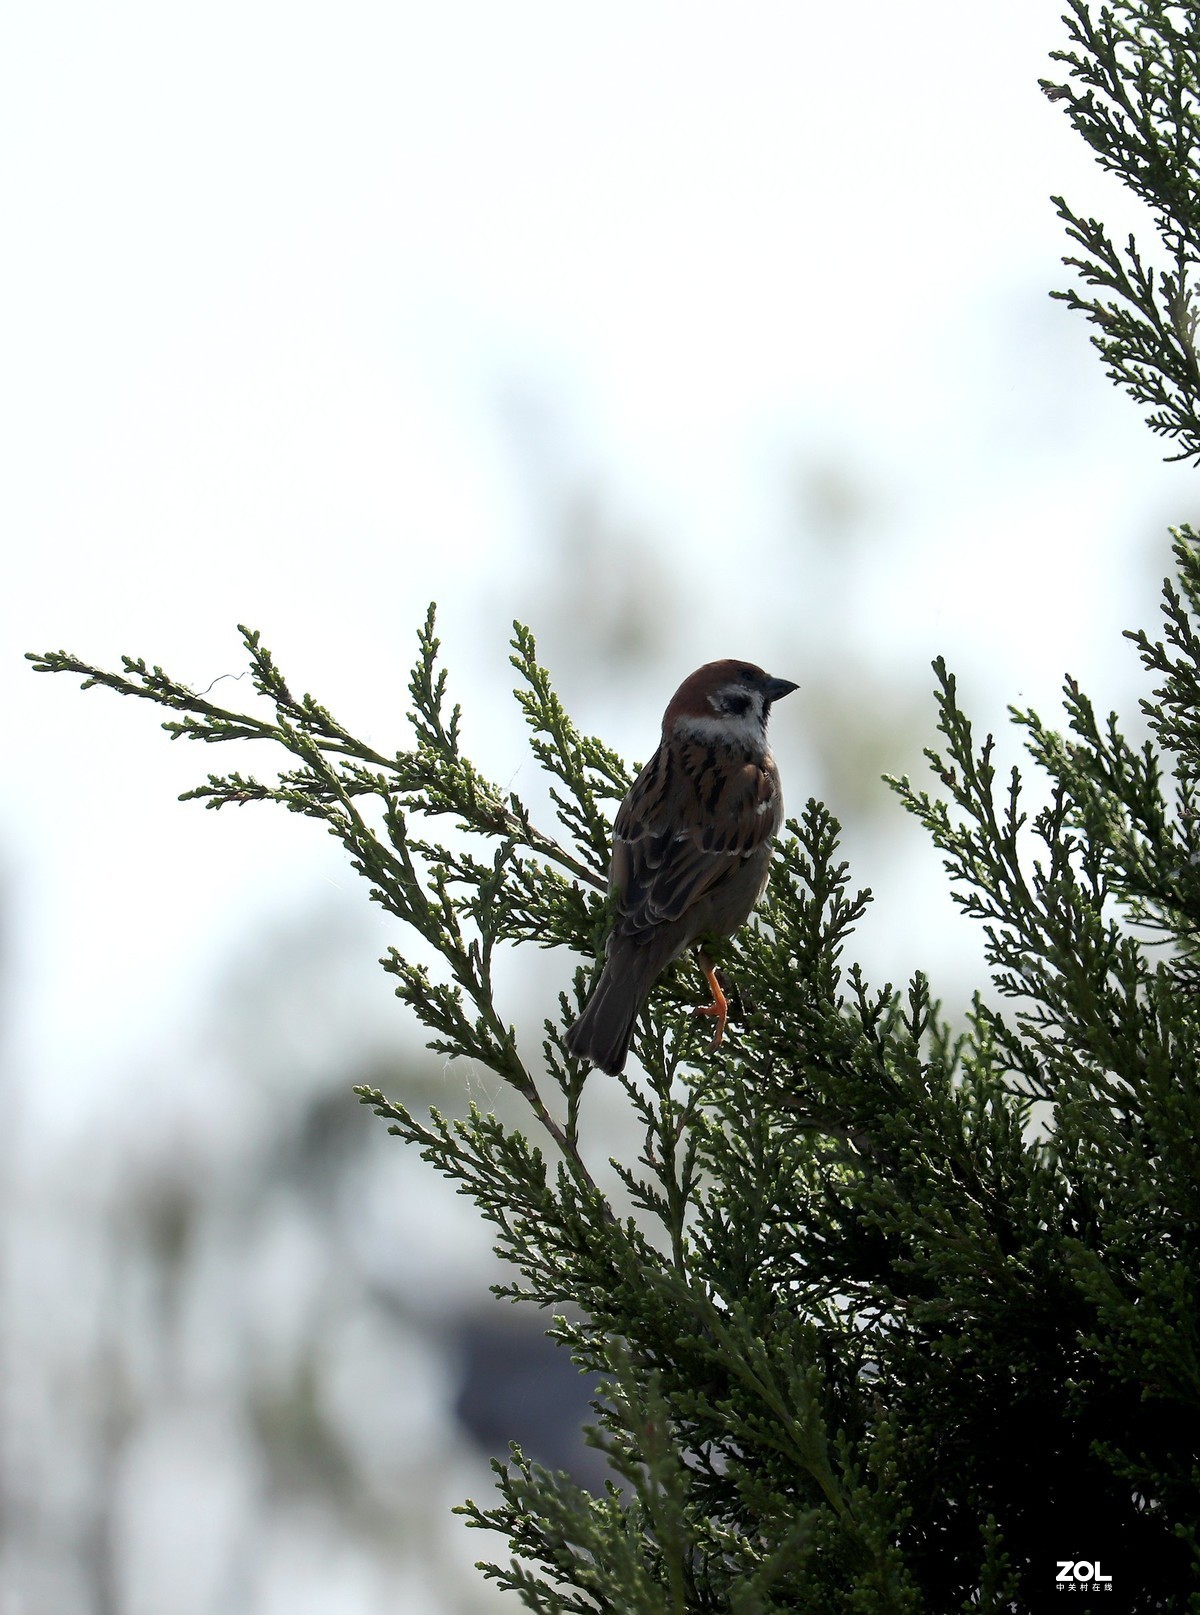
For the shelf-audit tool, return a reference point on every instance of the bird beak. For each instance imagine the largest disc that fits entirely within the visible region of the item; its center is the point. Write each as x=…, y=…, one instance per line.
x=776, y=689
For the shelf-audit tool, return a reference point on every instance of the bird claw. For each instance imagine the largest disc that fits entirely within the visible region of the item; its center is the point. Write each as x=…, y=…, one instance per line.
x=720, y=1011
x=719, y=1008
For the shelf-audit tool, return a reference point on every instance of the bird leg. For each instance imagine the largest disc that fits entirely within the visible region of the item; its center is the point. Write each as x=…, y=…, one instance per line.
x=719, y=1008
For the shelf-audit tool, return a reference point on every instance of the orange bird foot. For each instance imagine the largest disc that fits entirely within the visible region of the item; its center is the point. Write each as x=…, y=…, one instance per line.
x=719, y=1008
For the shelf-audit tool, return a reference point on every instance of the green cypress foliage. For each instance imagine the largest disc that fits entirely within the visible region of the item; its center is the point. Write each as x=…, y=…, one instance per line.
x=890, y=1315
x=1132, y=93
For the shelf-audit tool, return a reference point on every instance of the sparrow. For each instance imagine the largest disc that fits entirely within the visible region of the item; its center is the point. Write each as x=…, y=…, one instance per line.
x=691, y=849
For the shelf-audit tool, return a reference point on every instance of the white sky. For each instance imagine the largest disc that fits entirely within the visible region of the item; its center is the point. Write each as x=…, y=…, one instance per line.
x=311, y=314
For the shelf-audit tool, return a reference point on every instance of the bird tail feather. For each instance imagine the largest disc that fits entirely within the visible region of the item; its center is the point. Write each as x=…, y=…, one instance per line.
x=604, y=1030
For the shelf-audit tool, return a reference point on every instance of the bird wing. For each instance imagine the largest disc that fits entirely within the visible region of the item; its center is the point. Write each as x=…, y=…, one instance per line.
x=691, y=819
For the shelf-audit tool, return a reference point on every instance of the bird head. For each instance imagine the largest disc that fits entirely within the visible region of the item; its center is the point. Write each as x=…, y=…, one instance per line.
x=726, y=701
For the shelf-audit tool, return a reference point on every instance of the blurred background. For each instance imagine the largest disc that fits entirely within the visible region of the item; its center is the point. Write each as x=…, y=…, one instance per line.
x=675, y=333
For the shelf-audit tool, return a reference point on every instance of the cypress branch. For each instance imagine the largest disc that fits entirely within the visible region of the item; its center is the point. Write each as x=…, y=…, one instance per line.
x=899, y=1310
